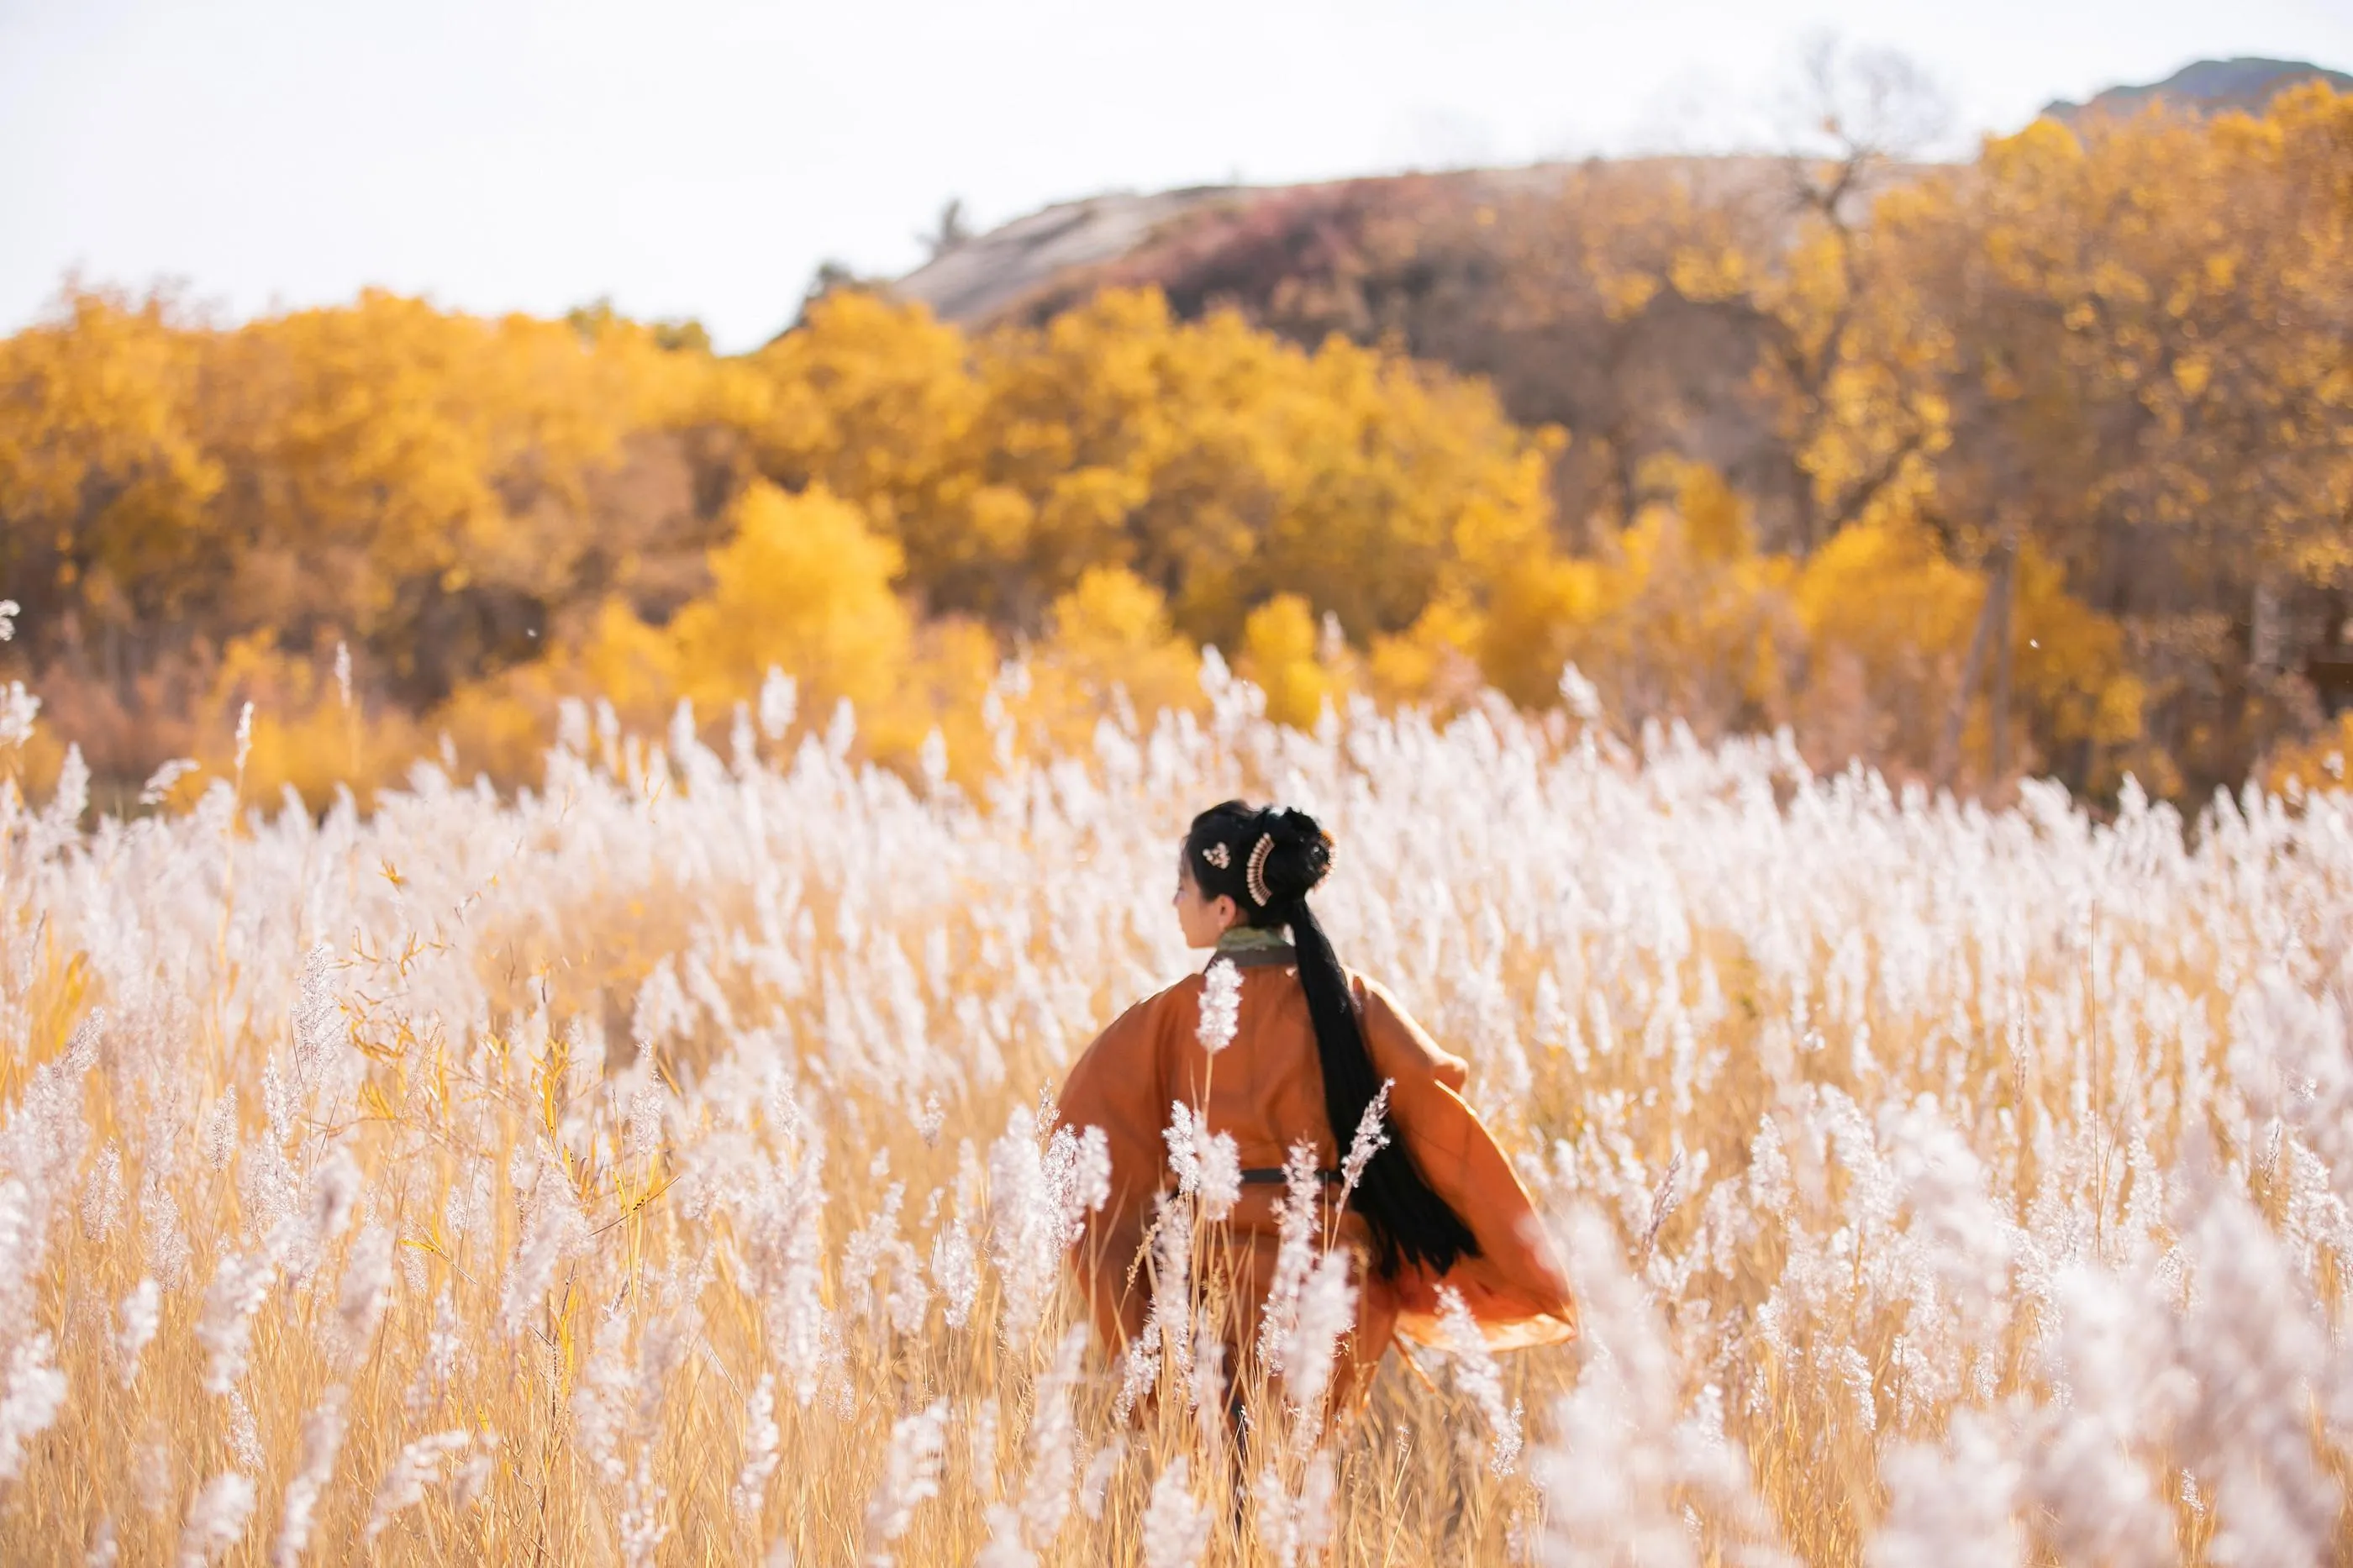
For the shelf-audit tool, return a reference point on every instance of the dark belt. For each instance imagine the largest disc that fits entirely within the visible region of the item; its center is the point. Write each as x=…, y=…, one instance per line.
x=1272, y=1175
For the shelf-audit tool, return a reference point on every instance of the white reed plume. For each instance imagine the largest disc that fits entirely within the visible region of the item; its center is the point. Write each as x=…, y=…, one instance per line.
x=19, y=710
x=1951, y=1505
x=1370, y=1139
x=367, y=1287
x=2254, y=1348
x=1095, y=1488
x=787, y=1217
x=1327, y=1310
x=980, y=1446
x=956, y=1269
x=446, y=1353
x=2115, y=1352
x=1053, y=1450
x=1171, y=1317
x=1612, y=1464
x=163, y=1241
x=1207, y=1166
x=24, y=1238
x=760, y=1457
x=1319, y=1494
x=244, y=1433
x=473, y=1483
x=1184, y=1149
x=299, y=1238
x=220, y=1141
x=911, y=1475
x=601, y=1401
x=414, y=1469
x=1476, y=1375
x=1293, y=1528
x=1295, y=1227
x=1038, y=1201
x=1222, y=1002
x=153, y=1480
x=317, y=1020
x=877, y=1246
x=34, y=1394
x=1139, y=1371
x=216, y=1520
x=164, y=779
x=322, y=1438
x=241, y=1284
x=1175, y=1527
x=142, y=1313
x=779, y=697
x=640, y=1524
x=101, y=1195
x=1206, y=1389
x=553, y=1231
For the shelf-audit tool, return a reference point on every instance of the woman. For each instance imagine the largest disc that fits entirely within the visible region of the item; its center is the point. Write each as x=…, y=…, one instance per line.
x=1311, y=1046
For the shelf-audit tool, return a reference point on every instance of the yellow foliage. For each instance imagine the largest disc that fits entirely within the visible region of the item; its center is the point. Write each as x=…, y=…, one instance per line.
x=2117, y=356
x=804, y=585
x=1216, y=462
x=1434, y=662
x=1283, y=654
x=1888, y=619
x=102, y=477
x=1715, y=519
x=1664, y=628
x=2319, y=763
x=1112, y=630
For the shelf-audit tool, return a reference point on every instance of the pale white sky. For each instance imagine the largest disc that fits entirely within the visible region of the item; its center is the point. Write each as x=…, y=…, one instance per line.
x=700, y=157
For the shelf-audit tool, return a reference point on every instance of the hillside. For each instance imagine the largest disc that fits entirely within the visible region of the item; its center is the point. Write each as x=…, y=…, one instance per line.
x=2208, y=87
x=1835, y=359
x=1457, y=267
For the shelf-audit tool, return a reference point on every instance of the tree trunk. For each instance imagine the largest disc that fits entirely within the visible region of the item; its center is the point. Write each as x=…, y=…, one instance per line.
x=2000, y=716
x=1948, y=747
x=1993, y=623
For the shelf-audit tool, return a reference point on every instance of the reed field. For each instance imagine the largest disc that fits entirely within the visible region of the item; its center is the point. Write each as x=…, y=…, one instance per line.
x=651, y=1166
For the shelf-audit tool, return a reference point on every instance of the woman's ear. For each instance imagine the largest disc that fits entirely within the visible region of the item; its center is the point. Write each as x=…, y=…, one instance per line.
x=1229, y=913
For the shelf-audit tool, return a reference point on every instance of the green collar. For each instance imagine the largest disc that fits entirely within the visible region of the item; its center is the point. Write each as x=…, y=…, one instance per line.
x=1248, y=947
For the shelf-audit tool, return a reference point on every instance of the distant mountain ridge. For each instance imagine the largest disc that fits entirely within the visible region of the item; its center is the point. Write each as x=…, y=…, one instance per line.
x=1051, y=257
x=2208, y=86
x=1440, y=265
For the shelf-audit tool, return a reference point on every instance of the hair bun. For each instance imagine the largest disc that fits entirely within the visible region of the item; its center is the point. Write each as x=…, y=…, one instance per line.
x=1302, y=853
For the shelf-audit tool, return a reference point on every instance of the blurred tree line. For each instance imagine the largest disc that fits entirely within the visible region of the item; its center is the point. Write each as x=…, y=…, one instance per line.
x=2118, y=350
x=2042, y=462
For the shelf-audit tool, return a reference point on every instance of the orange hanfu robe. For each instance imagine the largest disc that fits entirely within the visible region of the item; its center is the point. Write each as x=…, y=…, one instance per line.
x=1266, y=1091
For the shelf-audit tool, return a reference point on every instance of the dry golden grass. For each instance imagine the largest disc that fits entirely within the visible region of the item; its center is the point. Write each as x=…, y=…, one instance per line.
x=1919, y=1165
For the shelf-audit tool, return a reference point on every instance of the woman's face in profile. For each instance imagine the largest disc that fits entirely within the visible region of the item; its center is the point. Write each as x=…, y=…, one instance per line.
x=1204, y=920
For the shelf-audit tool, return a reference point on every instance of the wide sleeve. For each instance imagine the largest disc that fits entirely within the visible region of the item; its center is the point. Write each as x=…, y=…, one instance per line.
x=1118, y=1084
x=1515, y=1287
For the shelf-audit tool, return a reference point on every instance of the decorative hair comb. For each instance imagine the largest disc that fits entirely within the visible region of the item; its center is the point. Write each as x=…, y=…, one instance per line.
x=1254, y=877
x=1218, y=854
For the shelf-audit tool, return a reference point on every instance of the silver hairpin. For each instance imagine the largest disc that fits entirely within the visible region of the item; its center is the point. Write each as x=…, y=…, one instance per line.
x=1254, y=877
x=1218, y=854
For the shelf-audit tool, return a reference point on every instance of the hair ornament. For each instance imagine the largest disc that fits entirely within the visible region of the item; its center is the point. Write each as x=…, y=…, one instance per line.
x=1218, y=854
x=1254, y=877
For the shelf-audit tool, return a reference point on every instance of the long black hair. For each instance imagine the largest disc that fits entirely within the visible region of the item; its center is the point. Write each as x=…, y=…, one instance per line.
x=1267, y=861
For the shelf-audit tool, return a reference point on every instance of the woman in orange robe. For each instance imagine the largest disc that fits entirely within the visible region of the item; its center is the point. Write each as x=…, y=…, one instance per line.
x=1313, y=1044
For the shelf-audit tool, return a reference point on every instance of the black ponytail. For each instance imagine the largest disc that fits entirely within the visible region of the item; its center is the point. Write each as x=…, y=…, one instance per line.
x=1282, y=854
